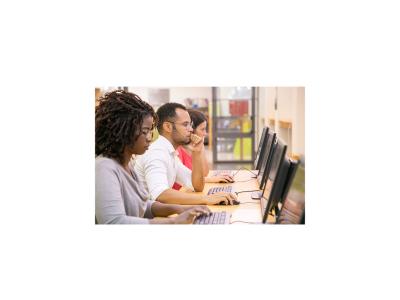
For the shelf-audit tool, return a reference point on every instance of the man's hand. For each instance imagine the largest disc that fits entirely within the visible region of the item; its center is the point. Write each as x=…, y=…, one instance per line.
x=197, y=143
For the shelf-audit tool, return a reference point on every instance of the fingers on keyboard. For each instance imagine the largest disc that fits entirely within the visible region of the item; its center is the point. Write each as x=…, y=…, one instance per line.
x=214, y=218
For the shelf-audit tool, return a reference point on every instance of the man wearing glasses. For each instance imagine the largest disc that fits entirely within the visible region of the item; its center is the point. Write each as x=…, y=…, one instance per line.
x=160, y=167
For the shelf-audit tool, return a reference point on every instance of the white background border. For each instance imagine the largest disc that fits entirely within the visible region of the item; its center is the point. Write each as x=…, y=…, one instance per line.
x=345, y=53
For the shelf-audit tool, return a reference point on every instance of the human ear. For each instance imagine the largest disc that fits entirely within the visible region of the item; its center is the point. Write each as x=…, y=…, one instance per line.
x=167, y=127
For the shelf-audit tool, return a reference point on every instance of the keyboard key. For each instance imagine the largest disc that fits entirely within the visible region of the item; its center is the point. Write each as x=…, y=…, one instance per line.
x=217, y=189
x=214, y=218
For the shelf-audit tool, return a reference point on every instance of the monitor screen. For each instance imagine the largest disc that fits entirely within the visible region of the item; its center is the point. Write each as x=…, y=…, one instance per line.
x=266, y=157
x=260, y=150
x=296, y=195
x=276, y=178
x=297, y=189
x=293, y=165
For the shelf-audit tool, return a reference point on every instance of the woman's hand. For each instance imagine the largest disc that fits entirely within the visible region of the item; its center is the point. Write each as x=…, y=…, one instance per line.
x=189, y=215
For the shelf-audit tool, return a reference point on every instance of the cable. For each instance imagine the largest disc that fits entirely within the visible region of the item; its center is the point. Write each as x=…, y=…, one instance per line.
x=247, y=191
x=234, y=174
x=238, y=221
x=251, y=172
x=244, y=180
x=243, y=168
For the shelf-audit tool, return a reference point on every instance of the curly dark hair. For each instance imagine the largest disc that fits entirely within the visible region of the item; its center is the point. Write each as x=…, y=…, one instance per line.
x=119, y=119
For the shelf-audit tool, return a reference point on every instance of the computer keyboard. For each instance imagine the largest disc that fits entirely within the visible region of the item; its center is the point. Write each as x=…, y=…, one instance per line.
x=216, y=189
x=221, y=217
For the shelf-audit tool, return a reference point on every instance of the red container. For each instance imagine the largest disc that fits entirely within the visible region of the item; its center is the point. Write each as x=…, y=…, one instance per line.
x=239, y=107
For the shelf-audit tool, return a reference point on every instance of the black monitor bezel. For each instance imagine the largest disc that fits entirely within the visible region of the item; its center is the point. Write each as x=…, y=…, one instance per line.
x=280, y=176
x=293, y=166
x=286, y=195
x=260, y=150
x=267, y=157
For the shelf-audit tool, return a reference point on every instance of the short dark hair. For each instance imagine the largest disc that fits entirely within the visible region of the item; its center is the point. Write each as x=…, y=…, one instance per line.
x=167, y=112
x=118, y=122
x=197, y=117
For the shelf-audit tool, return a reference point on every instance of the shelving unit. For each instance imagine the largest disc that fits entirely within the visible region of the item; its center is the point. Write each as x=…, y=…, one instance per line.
x=233, y=123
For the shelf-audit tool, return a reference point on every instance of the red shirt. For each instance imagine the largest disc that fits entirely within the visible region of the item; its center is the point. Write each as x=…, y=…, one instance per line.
x=186, y=159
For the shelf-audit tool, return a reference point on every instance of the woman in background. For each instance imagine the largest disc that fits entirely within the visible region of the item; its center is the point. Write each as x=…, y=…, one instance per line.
x=124, y=125
x=199, y=124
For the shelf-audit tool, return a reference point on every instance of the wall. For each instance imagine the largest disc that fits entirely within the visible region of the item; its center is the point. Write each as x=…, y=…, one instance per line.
x=298, y=145
x=291, y=108
x=176, y=94
x=142, y=92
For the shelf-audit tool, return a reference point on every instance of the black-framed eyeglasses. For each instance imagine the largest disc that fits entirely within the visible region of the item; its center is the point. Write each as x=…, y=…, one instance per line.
x=187, y=125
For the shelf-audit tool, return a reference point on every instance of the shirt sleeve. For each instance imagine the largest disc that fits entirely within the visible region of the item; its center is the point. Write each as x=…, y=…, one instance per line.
x=109, y=203
x=184, y=175
x=148, y=213
x=155, y=173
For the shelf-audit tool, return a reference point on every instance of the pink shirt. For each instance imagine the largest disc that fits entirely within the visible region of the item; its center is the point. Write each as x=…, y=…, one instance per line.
x=186, y=159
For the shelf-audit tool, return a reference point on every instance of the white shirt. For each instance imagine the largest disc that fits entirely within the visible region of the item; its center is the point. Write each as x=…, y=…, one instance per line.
x=159, y=167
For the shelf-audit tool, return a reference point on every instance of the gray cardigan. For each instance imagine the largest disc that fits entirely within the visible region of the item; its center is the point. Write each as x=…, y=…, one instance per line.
x=120, y=198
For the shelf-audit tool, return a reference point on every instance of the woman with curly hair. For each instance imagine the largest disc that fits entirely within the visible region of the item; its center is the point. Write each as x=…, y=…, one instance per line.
x=124, y=126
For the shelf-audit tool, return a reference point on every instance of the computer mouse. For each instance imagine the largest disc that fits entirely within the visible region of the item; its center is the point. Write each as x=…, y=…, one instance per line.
x=235, y=202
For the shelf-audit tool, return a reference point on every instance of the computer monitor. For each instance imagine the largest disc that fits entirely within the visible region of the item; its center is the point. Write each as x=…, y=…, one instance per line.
x=296, y=194
x=293, y=165
x=276, y=178
x=260, y=150
x=265, y=165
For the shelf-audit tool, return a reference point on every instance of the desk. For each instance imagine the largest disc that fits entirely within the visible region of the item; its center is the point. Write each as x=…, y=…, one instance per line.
x=250, y=209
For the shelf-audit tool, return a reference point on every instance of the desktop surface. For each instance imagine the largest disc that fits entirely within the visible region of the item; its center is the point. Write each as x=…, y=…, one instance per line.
x=249, y=210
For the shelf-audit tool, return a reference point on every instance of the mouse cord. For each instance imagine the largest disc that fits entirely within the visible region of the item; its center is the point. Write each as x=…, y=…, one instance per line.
x=243, y=180
x=251, y=172
x=247, y=191
x=238, y=221
x=243, y=168
x=233, y=175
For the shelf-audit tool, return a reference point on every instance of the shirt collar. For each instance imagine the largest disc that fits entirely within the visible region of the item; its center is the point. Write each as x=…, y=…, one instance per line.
x=164, y=142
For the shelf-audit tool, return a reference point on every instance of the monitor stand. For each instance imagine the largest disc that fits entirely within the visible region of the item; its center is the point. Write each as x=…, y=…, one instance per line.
x=256, y=195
